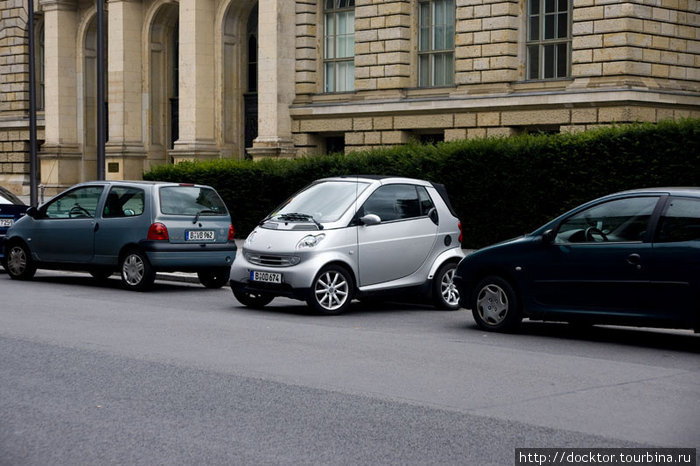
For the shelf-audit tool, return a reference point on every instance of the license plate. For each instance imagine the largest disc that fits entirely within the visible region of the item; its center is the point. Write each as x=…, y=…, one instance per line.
x=267, y=277
x=6, y=222
x=200, y=235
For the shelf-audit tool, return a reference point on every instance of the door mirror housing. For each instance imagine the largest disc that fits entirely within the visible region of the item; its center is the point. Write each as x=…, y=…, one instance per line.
x=32, y=212
x=548, y=236
x=370, y=219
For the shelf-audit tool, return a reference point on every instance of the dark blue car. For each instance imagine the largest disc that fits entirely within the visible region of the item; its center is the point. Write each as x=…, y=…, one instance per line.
x=631, y=258
x=11, y=209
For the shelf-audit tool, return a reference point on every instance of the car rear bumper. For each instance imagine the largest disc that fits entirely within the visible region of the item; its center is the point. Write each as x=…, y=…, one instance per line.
x=168, y=256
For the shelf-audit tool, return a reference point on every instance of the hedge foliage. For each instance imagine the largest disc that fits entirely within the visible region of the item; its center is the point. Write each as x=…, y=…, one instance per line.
x=500, y=187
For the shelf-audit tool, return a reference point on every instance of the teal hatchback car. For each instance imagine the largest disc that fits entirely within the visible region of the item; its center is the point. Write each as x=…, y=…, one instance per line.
x=631, y=258
x=134, y=227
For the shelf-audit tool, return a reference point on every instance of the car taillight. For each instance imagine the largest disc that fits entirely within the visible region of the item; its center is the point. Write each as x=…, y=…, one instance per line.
x=231, y=232
x=158, y=232
x=460, y=232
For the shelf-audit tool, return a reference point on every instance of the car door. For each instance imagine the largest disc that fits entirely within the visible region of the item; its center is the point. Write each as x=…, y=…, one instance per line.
x=65, y=229
x=600, y=259
x=401, y=242
x=122, y=221
x=675, y=276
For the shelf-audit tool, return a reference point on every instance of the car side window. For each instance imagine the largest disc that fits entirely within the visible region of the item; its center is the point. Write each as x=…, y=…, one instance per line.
x=619, y=220
x=394, y=202
x=680, y=222
x=78, y=203
x=123, y=202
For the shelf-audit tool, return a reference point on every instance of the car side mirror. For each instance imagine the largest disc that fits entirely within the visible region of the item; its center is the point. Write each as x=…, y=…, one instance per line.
x=32, y=212
x=548, y=236
x=433, y=215
x=370, y=219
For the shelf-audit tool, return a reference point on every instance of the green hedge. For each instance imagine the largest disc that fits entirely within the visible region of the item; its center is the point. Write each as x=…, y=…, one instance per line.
x=500, y=187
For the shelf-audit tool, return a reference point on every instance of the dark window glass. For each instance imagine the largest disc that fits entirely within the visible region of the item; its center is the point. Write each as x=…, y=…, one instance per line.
x=681, y=222
x=191, y=200
x=548, y=39
x=621, y=220
x=123, y=202
x=394, y=202
x=78, y=203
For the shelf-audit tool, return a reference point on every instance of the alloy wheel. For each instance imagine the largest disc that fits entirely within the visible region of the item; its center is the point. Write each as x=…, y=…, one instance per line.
x=331, y=290
x=448, y=290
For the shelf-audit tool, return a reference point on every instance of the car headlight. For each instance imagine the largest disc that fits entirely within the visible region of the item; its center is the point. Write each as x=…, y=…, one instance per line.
x=251, y=237
x=310, y=241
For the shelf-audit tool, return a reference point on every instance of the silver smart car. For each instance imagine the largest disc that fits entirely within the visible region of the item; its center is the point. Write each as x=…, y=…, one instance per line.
x=353, y=237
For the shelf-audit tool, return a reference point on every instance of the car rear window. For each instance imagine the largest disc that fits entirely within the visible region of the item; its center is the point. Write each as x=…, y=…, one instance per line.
x=191, y=200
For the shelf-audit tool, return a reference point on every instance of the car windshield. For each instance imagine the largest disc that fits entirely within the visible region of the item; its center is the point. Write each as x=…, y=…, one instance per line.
x=321, y=202
x=191, y=200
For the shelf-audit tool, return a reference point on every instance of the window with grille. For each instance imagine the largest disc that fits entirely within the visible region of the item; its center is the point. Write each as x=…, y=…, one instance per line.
x=339, y=45
x=436, y=43
x=548, y=39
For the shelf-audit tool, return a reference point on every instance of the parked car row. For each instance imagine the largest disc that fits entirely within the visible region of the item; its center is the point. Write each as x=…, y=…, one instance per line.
x=631, y=258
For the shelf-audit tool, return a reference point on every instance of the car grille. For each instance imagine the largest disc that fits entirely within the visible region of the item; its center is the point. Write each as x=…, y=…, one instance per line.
x=272, y=261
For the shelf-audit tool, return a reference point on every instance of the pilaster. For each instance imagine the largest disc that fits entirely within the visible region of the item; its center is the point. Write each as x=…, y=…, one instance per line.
x=60, y=157
x=197, y=82
x=276, y=82
x=124, y=150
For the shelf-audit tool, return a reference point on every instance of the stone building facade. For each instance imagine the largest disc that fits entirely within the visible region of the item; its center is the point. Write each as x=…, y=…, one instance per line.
x=201, y=79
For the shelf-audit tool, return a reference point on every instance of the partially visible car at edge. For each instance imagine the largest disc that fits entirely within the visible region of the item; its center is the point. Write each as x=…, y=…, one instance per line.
x=353, y=236
x=11, y=209
x=630, y=258
x=134, y=227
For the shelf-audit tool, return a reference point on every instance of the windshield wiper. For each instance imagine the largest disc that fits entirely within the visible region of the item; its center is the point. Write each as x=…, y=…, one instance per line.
x=203, y=211
x=299, y=217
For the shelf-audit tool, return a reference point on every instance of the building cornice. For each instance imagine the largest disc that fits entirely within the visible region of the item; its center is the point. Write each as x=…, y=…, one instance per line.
x=58, y=5
x=579, y=98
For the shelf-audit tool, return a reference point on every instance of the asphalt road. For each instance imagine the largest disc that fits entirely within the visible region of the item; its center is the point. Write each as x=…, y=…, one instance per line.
x=92, y=374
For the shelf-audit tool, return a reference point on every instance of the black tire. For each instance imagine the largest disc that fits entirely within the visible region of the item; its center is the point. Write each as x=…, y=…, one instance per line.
x=495, y=305
x=215, y=277
x=18, y=262
x=101, y=274
x=136, y=271
x=445, y=293
x=253, y=300
x=331, y=290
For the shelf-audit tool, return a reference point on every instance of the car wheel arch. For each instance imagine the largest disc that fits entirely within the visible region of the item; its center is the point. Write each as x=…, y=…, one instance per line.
x=345, y=266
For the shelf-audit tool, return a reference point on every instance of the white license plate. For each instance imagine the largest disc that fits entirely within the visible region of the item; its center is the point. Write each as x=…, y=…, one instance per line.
x=200, y=235
x=6, y=222
x=267, y=277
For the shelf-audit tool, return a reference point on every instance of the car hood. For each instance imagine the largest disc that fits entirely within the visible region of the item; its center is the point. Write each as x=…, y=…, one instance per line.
x=265, y=240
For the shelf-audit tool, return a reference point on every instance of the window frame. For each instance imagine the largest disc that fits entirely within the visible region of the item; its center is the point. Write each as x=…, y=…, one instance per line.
x=331, y=58
x=419, y=203
x=541, y=43
x=45, y=214
x=431, y=53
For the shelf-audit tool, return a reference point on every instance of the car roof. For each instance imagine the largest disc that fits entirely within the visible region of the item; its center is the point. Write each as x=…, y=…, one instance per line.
x=7, y=194
x=137, y=182
x=381, y=178
x=673, y=191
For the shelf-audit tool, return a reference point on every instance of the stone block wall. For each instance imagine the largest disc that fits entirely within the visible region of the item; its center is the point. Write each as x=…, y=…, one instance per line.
x=657, y=39
x=14, y=93
x=486, y=42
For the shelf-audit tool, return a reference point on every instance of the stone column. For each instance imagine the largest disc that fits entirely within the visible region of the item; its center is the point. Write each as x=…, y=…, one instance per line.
x=125, y=151
x=276, y=79
x=197, y=82
x=60, y=157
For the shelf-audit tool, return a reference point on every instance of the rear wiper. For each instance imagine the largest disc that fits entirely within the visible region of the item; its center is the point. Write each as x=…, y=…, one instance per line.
x=203, y=211
x=298, y=217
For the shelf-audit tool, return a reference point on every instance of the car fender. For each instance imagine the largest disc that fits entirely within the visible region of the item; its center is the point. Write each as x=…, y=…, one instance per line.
x=454, y=254
x=332, y=257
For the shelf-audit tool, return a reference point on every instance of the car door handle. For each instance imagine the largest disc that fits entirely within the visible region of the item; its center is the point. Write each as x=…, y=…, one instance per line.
x=634, y=259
